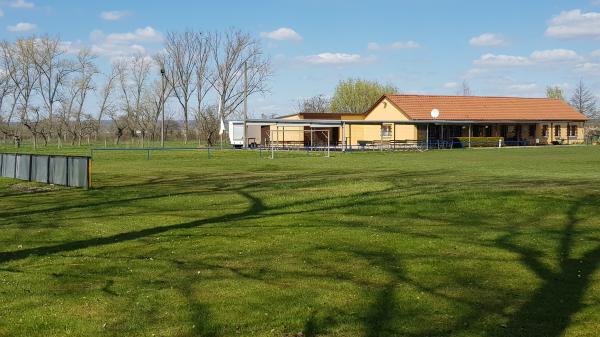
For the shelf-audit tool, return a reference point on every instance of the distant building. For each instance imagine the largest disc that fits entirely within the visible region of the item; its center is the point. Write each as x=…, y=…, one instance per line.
x=408, y=118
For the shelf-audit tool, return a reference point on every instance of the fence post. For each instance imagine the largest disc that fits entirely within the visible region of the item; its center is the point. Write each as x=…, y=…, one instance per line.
x=67, y=171
x=88, y=181
x=15, y=173
x=30, y=166
x=48, y=170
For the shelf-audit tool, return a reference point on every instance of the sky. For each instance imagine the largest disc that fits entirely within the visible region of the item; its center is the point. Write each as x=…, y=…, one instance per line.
x=501, y=48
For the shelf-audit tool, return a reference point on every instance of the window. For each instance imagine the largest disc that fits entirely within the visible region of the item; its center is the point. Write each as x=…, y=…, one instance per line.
x=557, y=131
x=386, y=130
x=545, y=131
x=573, y=131
x=532, y=129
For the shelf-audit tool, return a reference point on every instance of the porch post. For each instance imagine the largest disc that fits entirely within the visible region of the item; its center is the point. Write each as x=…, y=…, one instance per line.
x=350, y=135
x=343, y=137
x=469, y=136
x=427, y=136
x=568, y=133
x=328, y=142
x=381, y=134
x=394, y=133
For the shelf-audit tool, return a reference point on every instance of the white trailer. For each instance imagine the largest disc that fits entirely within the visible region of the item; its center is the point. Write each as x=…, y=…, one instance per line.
x=236, y=134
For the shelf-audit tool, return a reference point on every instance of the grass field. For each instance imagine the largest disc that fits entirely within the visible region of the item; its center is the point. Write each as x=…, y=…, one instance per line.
x=444, y=243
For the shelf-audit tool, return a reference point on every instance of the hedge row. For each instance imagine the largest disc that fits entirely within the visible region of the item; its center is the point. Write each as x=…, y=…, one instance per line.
x=477, y=141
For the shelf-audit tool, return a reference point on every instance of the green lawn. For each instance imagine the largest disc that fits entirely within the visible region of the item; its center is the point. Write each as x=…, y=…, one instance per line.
x=444, y=243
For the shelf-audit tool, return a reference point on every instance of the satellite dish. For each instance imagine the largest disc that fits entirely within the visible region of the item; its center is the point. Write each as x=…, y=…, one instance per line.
x=435, y=113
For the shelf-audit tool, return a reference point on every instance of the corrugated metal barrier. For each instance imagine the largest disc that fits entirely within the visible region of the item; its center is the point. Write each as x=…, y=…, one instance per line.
x=74, y=171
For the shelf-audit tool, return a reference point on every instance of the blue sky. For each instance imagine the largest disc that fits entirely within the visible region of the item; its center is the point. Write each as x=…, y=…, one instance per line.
x=500, y=47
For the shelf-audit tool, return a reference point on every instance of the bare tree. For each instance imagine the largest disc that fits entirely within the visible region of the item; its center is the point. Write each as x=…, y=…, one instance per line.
x=65, y=113
x=18, y=61
x=315, y=104
x=203, y=73
x=207, y=121
x=53, y=69
x=154, y=102
x=72, y=116
x=230, y=52
x=584, y=101
x=133, y=75
x=180, y=64
x=7, y=98
x=107, y=106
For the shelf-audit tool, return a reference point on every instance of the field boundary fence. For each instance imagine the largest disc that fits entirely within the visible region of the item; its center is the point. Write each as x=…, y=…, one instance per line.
x=149, y=150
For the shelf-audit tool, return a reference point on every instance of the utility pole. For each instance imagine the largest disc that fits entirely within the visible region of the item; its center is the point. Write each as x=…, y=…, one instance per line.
x=245, y=104
x=162, y=102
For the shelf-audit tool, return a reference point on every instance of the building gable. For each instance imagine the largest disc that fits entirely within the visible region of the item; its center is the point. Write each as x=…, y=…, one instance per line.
x=386, y=110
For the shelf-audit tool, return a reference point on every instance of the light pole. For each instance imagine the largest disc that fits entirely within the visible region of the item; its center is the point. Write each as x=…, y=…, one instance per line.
x=162, y=102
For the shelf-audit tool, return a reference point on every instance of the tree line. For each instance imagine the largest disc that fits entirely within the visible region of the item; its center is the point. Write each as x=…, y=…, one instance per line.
x=46, y=91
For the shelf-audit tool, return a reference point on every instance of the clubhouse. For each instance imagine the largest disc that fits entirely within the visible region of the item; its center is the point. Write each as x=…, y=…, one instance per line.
x=395, y=120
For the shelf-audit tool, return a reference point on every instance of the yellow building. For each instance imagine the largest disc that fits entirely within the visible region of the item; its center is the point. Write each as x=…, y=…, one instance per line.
x=407, y=119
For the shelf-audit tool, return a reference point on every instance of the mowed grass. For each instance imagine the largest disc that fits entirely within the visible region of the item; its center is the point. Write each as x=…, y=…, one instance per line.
x=444, y=243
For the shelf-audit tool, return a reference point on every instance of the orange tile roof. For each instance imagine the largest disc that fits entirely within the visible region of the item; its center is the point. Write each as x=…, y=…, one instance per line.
x=473, y=108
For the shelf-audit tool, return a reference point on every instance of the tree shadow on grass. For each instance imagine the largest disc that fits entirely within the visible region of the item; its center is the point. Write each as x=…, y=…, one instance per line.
x=561, y=291
x=256, y=206
x=549, y=310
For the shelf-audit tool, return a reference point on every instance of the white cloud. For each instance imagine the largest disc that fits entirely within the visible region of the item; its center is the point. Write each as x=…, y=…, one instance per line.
x=523, y=87
x=22, y=27
x=595, y=53
x=502, y=60
x=554, y=55
x=22, y=4
x=574, y=24
x=146, y=34
x=451, y=85
x=113, y=15
x=332, y=58
x=488, y=40
x=1, y=13
x=119, y=45
x=588, y=68
x=405, y=45
x=394, y=45
x=282, y=34
x=538, y=57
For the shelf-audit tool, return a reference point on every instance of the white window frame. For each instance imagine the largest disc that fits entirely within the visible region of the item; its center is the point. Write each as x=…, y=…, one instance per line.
x=387, y=131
